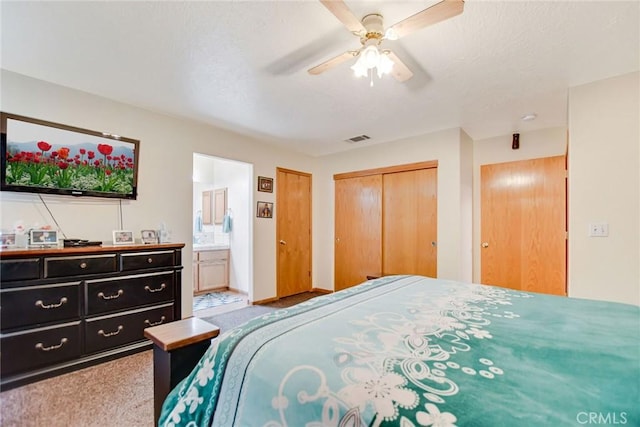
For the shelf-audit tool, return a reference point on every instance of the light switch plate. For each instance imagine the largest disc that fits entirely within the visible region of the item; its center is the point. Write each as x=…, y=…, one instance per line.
x=599, y=229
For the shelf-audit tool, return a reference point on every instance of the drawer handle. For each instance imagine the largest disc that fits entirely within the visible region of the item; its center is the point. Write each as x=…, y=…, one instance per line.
x=83, y=265
x=155, y=323
x=148, y=289
x=110, y=334
x=103, y=296
x=149, y=260
x=41, y=346
x=40, y=304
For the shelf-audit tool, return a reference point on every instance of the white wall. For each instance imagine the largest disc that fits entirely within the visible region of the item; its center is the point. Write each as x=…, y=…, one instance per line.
x=533, y=145
x=604, y=186
x=466, y=207
x=165, y=176
x=445, y=147
x=603, y=182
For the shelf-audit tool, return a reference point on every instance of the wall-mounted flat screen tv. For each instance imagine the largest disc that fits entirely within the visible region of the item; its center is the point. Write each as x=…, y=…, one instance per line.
x=45, y=157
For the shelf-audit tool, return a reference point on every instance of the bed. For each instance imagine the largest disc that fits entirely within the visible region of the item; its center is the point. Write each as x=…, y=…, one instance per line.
x=413, y=351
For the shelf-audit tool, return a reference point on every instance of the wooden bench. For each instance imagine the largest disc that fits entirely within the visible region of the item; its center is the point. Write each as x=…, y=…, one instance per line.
x=178, y=346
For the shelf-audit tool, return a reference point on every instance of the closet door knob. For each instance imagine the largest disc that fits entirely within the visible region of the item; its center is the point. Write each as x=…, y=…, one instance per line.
x=485, y=244
x=282, y=242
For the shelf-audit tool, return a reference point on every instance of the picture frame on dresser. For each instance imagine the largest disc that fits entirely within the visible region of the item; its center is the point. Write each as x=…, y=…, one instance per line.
x=123, y=237
x=43, y=238
x=7, y=240
x=149, y=236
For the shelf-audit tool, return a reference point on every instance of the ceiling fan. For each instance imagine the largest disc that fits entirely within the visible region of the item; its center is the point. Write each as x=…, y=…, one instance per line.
x=372, y=33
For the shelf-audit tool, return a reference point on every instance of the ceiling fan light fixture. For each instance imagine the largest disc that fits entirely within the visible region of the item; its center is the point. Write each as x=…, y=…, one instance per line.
x=384, y=65
x=359, y=69
x=371, y=58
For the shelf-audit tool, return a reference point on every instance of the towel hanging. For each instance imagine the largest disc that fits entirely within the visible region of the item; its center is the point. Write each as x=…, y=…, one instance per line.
x=226, y=223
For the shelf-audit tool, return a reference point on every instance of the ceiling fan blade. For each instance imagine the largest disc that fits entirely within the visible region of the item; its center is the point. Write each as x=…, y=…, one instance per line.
x=332, y=62
x=344, y=15
x=438, y=12
x=399, y=71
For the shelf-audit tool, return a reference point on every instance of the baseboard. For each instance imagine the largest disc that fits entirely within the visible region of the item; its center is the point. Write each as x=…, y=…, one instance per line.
x=269, y=300
x=220, y=289
x=264, y=301
x=238, y=291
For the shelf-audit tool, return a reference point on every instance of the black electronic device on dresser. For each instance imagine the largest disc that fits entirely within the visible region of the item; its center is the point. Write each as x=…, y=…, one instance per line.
x=62, y=309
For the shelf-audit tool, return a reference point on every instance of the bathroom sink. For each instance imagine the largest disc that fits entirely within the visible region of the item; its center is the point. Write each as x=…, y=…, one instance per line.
x=209, y=246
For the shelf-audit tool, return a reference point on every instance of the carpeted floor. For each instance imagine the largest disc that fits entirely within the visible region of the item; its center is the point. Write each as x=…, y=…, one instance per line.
x=226, y=321
x=115, y=393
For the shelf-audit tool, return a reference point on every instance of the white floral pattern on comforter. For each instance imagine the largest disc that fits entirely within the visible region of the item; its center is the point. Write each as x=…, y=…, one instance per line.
x=412, y=351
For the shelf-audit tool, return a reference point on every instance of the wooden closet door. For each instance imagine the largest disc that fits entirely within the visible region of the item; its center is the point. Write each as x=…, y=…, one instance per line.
x=410, y=222
x=358, y=230
x=523, y=225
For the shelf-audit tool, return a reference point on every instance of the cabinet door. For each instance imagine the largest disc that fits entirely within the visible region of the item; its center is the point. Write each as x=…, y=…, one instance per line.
x=358, y=238
x=212, y=275
x=220, y=205
x=207, y=207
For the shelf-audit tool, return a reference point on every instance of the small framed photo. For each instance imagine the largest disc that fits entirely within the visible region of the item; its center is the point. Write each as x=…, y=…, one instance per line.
x=265, y=210
x=265, y=184
x=7, y=240
x=149, y=237
x=123, y=237
x=43, y=238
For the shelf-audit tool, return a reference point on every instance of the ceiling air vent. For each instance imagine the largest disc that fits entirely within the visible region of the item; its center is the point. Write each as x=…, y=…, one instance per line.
x=358, y=138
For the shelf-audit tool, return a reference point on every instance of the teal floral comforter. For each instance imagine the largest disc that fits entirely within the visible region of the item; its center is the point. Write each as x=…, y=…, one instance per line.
x=411, y=351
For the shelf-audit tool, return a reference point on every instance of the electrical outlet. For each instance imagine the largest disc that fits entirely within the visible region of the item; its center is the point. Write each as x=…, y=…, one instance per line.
x=600, y=229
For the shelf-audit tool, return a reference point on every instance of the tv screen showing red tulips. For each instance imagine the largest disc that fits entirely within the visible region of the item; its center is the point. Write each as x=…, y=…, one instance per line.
x=40, y=156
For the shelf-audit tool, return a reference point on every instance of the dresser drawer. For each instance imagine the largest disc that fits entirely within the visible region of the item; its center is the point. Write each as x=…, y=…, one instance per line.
x=39, y=348
x=79, y=265
x=112, y=331
x=33, y=305
x=142, y=260
x=106, y=295
x=20, y=269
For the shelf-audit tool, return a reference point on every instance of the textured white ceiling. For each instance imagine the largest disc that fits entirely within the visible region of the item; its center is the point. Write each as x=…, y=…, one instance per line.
x=242, y=65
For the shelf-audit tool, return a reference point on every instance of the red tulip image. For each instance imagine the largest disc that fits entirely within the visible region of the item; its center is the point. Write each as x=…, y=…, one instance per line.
x=105, y=149
x=44, y=146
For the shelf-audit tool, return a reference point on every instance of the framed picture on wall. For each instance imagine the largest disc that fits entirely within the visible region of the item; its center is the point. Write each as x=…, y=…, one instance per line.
x=265, y=210
x=265, y=184
x=123, y=237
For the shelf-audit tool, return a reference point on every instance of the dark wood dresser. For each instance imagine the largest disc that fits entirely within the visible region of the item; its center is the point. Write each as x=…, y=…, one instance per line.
x=62, y=309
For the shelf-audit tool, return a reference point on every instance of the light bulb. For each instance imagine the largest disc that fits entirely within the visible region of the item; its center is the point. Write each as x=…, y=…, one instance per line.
x=359, y=68
x=370, y=56
x=384, y=65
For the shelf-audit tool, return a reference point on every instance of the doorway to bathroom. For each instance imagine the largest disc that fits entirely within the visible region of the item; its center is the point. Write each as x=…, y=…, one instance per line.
x=222, y=229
